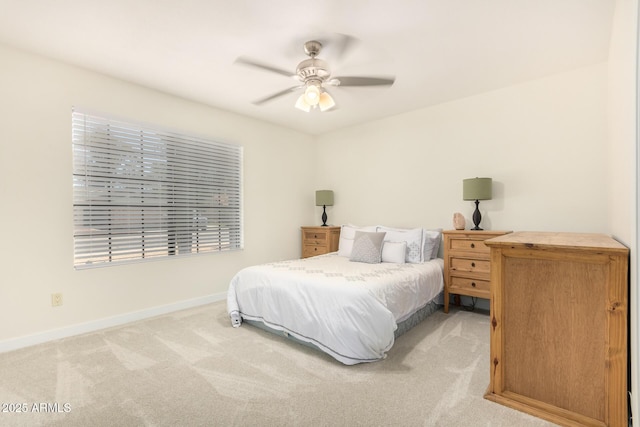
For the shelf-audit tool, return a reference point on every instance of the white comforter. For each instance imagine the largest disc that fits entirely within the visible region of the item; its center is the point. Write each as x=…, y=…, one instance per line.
x=347, y=309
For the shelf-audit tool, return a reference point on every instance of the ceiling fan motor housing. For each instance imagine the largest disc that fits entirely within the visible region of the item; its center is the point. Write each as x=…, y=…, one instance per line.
x=313, y=69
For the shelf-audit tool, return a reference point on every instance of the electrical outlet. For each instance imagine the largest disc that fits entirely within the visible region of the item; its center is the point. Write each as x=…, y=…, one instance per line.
x=56, y=299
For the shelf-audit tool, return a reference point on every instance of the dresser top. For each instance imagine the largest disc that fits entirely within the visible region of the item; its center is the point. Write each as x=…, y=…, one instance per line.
x=542, y=240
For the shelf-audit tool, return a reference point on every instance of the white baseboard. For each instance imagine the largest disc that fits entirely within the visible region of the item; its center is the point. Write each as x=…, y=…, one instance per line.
x=109, y=322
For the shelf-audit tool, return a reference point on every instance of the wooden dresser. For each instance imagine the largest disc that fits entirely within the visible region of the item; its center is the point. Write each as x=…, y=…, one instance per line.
x=559, y=327
x=466, y=263
x=319, y=240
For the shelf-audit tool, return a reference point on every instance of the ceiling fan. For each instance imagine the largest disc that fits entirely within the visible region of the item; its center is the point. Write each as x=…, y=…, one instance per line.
x=314, y=75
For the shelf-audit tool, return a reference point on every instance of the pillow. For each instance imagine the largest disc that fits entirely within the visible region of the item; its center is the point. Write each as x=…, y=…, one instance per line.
x=348, y=231
x=413, y=237
x=347, y=234
x=345, y=246
x=394, y=252
x=432, y=239
x=367, y=247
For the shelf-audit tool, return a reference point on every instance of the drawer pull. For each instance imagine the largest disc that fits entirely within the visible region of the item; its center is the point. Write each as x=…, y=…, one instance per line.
x=473, y=245
x=473, y=284
x=315, y=249
x=473, y=264
x=315, y=236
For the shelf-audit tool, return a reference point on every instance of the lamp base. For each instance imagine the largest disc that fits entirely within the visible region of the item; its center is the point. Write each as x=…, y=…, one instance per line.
x=324, y=216
x=477, y=217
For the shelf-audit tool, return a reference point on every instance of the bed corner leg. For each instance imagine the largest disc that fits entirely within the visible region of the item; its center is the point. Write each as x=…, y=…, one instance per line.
x=236, y=319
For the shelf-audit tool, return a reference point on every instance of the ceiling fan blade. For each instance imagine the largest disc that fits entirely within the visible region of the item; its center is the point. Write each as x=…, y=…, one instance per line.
x=362, y=81
x=276, y=95
x=256, y=64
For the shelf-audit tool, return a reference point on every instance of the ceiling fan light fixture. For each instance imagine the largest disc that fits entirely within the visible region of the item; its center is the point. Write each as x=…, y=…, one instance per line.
x=326, y=102
x=312, y=95
x=301, y=104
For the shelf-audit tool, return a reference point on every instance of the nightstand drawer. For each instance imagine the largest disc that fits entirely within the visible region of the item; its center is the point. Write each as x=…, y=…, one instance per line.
x=468, y=245
x=466, y=284
x=315, y=237
x=313, y=250
x=315, y=242
x=470, y=265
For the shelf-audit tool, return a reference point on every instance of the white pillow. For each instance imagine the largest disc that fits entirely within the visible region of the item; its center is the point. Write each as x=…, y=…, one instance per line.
x=347, y=234
x=413, y=237
x=394, y=252
x=367, y=247
x=432, y=239
x=345, y=246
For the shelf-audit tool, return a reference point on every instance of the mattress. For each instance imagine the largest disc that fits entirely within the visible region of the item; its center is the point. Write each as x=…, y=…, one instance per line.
x=349, y=310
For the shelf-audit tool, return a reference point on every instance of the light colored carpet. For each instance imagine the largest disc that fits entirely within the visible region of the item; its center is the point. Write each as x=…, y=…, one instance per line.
x=191, y=368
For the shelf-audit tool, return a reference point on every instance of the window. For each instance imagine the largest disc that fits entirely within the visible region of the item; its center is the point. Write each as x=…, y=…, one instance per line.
x=141, y=193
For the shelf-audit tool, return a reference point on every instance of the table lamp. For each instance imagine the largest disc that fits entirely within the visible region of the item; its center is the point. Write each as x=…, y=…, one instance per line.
x=476, y=189
x=324, y=198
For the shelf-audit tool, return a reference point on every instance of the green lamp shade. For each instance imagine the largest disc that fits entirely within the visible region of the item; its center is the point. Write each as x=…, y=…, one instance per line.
x=324, y=198
x=476, y=189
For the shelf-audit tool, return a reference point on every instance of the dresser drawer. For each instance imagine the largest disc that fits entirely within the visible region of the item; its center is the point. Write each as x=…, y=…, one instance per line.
x=470, y=265
x=466, y=284
x=468, y=245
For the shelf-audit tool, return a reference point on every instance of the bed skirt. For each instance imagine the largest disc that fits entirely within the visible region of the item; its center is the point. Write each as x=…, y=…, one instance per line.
x=418, y=317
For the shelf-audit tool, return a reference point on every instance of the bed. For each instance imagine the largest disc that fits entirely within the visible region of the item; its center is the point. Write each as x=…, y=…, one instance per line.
x=347, y=307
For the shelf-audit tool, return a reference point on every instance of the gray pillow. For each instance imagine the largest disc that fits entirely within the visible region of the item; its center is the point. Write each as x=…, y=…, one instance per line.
x=367, y=247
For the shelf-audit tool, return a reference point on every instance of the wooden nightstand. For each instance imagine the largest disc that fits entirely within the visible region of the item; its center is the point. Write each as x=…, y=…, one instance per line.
x=466, y=263
x=319, y=240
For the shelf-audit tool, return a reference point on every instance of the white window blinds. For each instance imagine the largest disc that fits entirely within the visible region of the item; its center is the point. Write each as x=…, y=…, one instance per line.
x=141, y=193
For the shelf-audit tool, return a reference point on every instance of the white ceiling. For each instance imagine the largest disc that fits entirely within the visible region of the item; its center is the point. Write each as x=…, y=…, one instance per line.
x=438, y=50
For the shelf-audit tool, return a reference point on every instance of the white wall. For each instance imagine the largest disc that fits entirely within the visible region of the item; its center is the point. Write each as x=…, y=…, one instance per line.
x=623, y=155
x=544, y=143
x=36, y=249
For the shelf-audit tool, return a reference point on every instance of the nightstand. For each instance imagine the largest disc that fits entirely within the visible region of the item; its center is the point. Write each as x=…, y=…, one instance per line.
x=319, y=240
x=466, y=263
